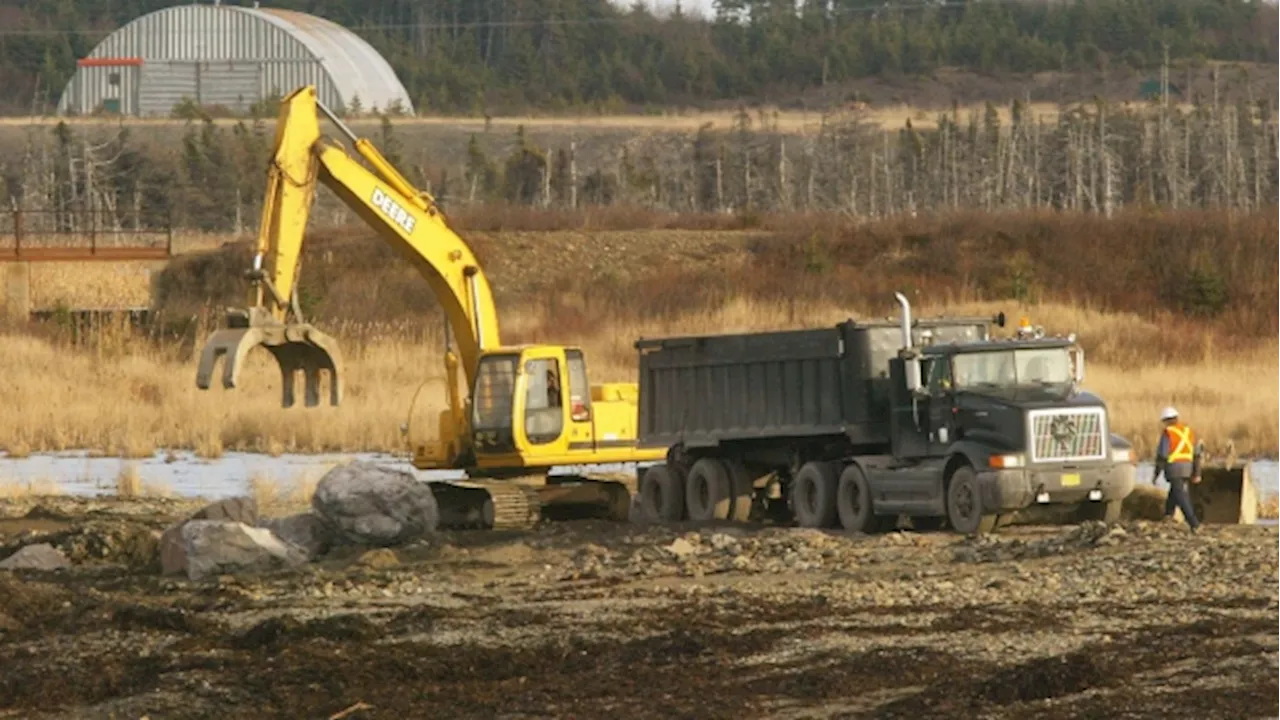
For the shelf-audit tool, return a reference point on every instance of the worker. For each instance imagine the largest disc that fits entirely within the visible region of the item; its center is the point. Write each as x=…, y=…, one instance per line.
x=1179, y=458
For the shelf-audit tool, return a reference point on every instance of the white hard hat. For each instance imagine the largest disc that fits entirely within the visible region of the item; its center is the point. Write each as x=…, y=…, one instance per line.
x=1169, y=413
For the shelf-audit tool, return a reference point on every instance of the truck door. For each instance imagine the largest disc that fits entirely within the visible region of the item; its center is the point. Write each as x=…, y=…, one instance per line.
x=540, y=402
x=909, y=417
x=581, y=423
x=940, y=432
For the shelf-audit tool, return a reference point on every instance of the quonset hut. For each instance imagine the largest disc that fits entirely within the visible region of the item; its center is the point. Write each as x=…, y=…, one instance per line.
x=228, y=56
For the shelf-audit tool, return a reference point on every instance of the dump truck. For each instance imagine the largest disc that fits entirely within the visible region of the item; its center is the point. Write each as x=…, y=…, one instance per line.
x=863, y=423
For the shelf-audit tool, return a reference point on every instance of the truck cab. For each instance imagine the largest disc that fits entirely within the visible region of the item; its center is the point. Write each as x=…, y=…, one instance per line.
x=1011, y=421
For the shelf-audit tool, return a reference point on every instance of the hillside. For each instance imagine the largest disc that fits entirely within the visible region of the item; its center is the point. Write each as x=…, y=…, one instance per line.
x=1222, y=297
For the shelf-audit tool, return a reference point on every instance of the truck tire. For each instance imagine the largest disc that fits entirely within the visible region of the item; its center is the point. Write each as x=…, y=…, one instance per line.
x=742, y=481
x=964, y=504
x=853, y=502
x=813, y=495
x=708, y=491
x=1107, y=512
x=662, y=494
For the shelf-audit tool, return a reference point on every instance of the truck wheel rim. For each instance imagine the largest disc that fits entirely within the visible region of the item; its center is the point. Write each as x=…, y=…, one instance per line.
x=853, y=498
x=964, y=501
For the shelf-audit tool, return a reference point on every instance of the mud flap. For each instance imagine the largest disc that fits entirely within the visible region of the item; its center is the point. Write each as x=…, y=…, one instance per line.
x=1224, y=495
x=295, y=347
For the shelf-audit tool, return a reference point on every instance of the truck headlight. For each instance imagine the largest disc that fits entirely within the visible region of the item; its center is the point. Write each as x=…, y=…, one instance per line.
x=1122, y=455
x=1006, y=461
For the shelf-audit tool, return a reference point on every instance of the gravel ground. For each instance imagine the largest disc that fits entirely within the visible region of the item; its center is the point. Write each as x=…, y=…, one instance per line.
x=591, y=619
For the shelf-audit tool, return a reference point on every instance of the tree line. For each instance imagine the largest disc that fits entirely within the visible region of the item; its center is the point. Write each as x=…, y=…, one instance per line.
x=477, y=55
x=1092, y=158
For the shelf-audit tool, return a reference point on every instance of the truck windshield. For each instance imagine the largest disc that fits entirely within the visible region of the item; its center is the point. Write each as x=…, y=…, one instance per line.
x=1040, y=367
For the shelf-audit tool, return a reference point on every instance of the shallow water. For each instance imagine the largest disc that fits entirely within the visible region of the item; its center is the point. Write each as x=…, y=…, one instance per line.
x=184, y=474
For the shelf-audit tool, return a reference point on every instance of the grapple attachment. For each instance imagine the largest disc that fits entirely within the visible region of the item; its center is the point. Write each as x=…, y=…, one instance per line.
x=295, y=346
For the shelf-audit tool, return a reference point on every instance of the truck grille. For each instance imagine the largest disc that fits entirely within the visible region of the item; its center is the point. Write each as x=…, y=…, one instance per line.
x=1068, y=434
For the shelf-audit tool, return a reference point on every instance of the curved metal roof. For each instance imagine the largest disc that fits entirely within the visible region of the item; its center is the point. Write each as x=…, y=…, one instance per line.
x=354, y=66
x=292, y=48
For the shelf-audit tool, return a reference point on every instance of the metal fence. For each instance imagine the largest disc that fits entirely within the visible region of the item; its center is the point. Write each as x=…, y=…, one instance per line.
x=81, y=235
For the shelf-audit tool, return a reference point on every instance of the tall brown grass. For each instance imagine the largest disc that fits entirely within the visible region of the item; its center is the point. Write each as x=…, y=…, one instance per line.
x=19, y=489
x=61, y=398
x=275, y=498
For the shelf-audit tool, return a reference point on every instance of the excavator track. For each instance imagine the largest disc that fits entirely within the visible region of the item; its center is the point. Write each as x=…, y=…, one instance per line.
x=520, y=503
x=487, y=505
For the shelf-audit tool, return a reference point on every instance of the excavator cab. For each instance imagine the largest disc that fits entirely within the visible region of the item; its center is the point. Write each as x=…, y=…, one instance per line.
x=532, y=401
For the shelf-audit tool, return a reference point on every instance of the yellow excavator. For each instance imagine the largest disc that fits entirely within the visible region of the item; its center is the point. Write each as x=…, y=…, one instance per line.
x=530, y=408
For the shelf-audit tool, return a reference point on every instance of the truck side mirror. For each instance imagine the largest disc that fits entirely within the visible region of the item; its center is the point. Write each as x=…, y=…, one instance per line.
x=999, y=319
x=1077, y=365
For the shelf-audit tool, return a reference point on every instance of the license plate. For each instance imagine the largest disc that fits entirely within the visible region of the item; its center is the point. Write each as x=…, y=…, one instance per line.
x=1070, y=480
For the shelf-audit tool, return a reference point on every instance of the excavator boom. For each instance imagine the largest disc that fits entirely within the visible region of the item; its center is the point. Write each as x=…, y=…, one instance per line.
x=533, y=407
x=402, y=215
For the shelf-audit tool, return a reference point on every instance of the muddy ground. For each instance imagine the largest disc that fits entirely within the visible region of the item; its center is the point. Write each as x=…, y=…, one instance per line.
x=591, y=619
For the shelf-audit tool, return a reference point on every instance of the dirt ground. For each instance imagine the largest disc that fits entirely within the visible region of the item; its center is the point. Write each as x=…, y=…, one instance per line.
x=592, y=619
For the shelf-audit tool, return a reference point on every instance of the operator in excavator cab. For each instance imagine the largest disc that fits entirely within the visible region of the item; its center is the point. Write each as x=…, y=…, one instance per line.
x=1178, y=457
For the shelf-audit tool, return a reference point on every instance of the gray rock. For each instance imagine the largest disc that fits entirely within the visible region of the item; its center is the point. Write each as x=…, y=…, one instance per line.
x=242, y=509
x=723, y=541
x=306, y=530
x=42, y=556
x=217, y=547
x=681, y=548
x=173, y=553
x=372, y=505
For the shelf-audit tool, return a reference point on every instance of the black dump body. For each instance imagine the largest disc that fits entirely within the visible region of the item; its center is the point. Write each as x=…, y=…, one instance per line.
x=707, y=390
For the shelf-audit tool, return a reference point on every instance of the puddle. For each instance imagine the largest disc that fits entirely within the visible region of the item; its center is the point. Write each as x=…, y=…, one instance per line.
x=182, y=473
x=76, y=473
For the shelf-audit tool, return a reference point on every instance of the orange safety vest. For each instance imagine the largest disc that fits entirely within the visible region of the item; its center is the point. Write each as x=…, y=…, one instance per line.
x=1181, y=443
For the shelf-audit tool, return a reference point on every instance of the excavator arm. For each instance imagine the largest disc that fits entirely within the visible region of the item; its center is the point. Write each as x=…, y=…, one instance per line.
x=403, y=216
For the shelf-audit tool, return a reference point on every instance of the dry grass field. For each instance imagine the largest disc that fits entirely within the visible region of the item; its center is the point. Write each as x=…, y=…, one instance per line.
x=602, y=286
x=133, y=398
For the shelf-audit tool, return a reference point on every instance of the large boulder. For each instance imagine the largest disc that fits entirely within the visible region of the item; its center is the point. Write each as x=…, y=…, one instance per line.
x=173, y=553
x=42, y=556
x=307, y=530
x=218, y=547
x=372, y=505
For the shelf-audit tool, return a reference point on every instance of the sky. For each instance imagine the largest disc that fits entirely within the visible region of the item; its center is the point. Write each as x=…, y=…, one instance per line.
x=664, y=5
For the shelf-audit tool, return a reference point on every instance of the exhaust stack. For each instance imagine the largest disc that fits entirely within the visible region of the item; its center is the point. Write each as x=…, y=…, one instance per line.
x=906, y=319
x=910, y=363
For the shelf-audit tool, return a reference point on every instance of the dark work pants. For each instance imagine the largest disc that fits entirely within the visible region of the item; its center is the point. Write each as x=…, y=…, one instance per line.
x=1179, y=496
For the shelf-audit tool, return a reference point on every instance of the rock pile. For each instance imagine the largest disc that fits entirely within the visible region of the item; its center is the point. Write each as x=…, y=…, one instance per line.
x=1087, y=535
x=701, y=553
x=359, y=503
